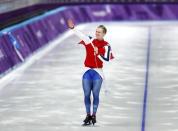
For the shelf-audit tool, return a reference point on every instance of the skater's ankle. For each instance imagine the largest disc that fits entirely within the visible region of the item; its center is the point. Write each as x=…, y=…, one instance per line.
x=88, y=114
x=94, y=114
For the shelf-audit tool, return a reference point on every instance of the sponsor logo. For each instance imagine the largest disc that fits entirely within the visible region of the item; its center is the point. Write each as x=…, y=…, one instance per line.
x=51, y=25
x=100, y=13
x=20, y=41
x=1, y=54
x=39, y=34
x=62, y=21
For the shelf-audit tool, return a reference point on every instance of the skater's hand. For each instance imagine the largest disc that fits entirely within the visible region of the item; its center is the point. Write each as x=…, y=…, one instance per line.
x=70, y=23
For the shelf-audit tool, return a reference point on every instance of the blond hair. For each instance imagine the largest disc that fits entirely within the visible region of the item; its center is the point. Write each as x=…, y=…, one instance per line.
x=103, y=27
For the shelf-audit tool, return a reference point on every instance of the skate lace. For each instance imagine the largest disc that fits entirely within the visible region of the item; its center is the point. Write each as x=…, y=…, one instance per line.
x=87, y=118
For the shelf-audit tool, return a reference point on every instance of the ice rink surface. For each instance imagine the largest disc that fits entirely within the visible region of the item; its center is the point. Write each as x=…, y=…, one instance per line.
x=142, y=81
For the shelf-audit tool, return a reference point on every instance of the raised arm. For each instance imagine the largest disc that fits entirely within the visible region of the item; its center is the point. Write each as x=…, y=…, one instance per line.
x=78, y=33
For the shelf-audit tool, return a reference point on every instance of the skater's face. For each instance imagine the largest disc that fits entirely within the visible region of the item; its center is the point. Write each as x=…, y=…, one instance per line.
x=99, y=33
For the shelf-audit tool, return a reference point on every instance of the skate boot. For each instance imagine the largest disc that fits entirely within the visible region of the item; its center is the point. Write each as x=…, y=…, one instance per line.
x=93, y=119
x=87, y=120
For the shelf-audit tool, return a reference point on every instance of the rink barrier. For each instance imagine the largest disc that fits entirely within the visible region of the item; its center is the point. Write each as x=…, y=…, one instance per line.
x=20, y=41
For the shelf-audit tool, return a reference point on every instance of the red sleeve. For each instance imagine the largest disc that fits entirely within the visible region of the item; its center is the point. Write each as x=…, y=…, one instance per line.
x=82, y=42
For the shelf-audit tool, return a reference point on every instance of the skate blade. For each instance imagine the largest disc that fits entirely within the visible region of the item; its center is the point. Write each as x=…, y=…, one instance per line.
x=86, y=124
x=93, y=124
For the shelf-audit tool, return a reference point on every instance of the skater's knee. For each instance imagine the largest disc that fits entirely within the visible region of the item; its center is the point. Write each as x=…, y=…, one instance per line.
x=87, y=98
x=87, y=95
x=96, y=96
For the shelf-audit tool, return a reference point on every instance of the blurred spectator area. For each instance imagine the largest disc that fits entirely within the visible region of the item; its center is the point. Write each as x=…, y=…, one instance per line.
x=15, y=11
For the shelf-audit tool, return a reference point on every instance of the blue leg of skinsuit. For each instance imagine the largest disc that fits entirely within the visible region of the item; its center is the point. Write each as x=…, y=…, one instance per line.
x=91, y=83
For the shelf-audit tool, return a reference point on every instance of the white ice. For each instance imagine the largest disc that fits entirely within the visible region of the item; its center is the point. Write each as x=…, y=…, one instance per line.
x=45, y=93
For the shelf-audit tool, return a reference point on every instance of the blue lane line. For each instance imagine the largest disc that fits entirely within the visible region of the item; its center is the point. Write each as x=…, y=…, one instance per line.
x=146, y=81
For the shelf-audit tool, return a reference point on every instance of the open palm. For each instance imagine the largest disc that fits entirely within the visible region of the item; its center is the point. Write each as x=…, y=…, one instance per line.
x=70, y=24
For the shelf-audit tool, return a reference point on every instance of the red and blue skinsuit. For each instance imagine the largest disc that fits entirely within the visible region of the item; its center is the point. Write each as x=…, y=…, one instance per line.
x=93, y=77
